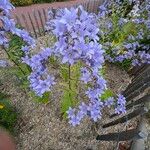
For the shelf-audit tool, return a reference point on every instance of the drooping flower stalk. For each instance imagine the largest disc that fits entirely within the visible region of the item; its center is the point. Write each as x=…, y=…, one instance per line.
x=77, y=41
x=120, y=42
x=9, y=27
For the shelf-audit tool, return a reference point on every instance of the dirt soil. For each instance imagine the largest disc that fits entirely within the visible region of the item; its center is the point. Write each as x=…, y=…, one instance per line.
x=40, y=126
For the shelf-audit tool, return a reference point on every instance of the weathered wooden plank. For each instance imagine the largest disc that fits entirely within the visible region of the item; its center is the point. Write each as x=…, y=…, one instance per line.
x=138, y=91
x=54, y=11
x=137, y=70
x=121, y=136
x=127, y=117
x=142, y=100
x=136, y=85
x=41, y=20
x=88, y=6
x=45, y=14
x=95, y=7
x=145, y=71
x=18, y=21
x=25, y=22
x=140, y=76
x=37, y=23
x=35, y=34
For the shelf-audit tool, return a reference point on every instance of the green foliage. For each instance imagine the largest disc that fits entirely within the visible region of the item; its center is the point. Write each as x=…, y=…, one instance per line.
x=118, y=36
x=15, y=54
x=8, y=116
x=64, y=73
x=103, y=71
x=47, y=1
x=44, y=99
x=71, y=76
x=68, y=100
x=126, y=64
x=21, y=2
x=14, y=49
x=108, y=93
x=29, y=2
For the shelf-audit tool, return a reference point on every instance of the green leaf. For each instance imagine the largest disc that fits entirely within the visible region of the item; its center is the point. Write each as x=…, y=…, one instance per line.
x=64, y=73
x=44, y=99
x=68, y=100
x=8, y=116
x=103, y=71
x=108, y=93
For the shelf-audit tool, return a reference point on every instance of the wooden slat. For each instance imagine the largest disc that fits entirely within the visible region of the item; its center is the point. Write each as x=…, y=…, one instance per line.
x=142, y=100
x=40, y=16
x=136, y=86
x=95, y=7
x=126, y=118
x=18, y=21
x=138, y=92
x=35, y=34
x=54, y=12
x=121, y=136
x=37, y=23
x=142, y=74
x=136, y=70
x=45, y=14
x=88, y=6
x=25, y=22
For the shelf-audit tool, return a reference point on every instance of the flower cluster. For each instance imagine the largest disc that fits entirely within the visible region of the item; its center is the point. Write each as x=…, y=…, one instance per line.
x=119, y=41
x=94, y=110
x=121, y=102
x=40, y=80
x=77, y=41
x=3, y=63
x=9, y=26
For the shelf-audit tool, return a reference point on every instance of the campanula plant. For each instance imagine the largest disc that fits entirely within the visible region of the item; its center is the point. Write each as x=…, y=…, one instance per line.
x=80, y=57
x=125, y=33
x=10, y=35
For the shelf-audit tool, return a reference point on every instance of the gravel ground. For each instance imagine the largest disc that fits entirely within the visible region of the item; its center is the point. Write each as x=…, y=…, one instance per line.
x=40, y=126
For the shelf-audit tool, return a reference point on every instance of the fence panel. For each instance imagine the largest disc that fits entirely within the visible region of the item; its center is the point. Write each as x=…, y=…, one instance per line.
x=35, y=21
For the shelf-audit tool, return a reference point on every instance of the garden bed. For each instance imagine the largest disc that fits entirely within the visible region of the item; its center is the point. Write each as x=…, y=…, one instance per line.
x=41, y=126
x=51, y=86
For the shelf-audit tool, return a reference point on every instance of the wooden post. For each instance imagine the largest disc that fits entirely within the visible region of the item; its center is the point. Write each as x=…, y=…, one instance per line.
x=125, y=118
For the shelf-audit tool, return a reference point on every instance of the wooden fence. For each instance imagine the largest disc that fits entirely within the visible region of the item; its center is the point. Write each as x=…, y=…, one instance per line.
x=138, y=98
x=137, y=93
x=35, y=21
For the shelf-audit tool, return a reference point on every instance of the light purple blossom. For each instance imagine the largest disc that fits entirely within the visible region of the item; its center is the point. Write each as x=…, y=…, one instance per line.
x=109, y=102
x=4, y=63
x=121, y=103
x=86, y=75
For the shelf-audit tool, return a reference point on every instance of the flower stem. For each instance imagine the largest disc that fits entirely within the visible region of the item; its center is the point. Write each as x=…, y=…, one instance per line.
x=14, y=61
x=69, y=77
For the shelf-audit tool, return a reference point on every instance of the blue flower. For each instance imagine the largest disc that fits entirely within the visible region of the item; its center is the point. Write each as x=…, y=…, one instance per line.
x=86, y=75
x=121, y=102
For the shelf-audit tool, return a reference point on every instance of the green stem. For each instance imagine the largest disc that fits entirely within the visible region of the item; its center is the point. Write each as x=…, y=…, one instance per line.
x=14, y=61
x=69, y=77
